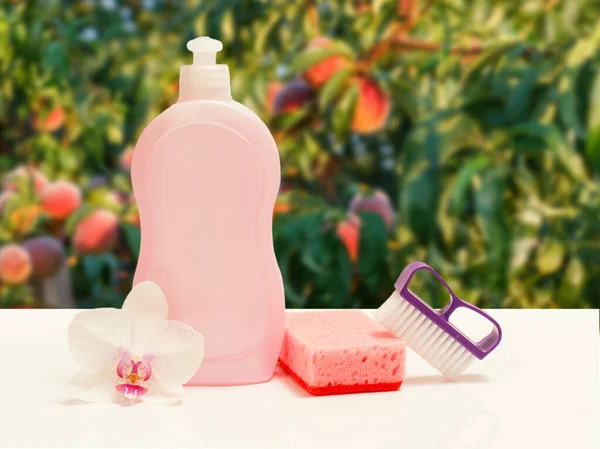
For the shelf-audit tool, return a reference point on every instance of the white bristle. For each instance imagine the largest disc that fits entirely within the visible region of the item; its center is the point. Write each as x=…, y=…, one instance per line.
x=424, y=336
x=419, y=334
x=430, y=344
x=429, y=338
x=411, y=331
x=453, y=353
x=461, y=364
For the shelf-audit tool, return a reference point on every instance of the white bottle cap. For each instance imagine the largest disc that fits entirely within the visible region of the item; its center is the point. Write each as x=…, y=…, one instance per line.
x=205, y=50
x=204, y=79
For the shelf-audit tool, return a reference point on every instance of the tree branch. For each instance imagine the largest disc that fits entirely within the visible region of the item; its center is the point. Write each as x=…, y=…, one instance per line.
x=399, y=31
x=432, y=47
x=404, y=43
x=427, y=6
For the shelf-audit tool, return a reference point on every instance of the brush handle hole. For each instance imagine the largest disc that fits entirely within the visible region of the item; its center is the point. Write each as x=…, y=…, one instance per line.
x=474, y=326
x=426, y=286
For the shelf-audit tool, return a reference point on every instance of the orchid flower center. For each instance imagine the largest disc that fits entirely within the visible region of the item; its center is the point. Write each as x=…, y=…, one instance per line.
x=134, y=369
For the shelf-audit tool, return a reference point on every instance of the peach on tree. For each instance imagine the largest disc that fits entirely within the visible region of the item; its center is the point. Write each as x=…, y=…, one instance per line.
x=15, y=264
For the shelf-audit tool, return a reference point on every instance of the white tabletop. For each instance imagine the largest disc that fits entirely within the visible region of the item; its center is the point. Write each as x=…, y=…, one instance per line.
x=540, y=388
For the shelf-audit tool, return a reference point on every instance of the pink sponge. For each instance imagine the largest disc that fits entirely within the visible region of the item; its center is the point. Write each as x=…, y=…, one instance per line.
x=341, y=351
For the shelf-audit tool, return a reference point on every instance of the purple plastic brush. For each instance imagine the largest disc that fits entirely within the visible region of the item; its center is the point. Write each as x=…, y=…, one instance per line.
x=429, y=332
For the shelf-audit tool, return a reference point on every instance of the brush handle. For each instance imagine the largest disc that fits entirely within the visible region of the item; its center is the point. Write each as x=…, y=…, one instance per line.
x=442, y=317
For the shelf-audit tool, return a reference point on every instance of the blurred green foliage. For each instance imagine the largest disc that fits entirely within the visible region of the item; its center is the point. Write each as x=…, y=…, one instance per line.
x=462, y=133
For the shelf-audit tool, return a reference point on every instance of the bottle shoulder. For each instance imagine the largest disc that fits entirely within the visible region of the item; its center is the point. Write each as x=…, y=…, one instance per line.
x=231, y=114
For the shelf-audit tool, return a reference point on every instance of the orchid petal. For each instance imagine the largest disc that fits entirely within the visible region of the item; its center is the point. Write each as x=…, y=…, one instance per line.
x=95, y=337
x=178, y=351
x=83, y=380
x=147, y=306
x=97, y=387
x=143, y=333
x=146, y=301
x=161, y=393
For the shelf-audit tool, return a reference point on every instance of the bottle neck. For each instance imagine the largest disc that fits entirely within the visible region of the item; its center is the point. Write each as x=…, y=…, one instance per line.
x=198, y=82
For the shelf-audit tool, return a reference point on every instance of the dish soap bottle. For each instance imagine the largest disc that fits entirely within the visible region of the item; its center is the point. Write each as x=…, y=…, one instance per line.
x=205, y=175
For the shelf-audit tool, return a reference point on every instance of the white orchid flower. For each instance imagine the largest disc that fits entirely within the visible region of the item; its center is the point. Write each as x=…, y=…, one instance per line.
x=134, y=352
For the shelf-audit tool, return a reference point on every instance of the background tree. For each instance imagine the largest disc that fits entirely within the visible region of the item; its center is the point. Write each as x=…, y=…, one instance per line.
x=462, y=133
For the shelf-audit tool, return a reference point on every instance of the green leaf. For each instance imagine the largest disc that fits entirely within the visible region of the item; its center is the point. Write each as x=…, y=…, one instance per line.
x=228, y=26
x=76, y=217
x=92, y=266
x=592, y=150
x=265, y=31
x=334, y=286
x=570, y=158
x=583, y=49
x=372, y=251
x=487, y=110
x=594, y=104
x=550, y=257
x=293, y=298
x=132, y=237
x=342, y=117
x=518, y=103
x=567, y=104
x=489, y=203
x=571, y=285
x=421, y=191
x=291, y=239
x=491, y=56
x=114, y=133
x=532, y=137
x=9, y=207
x=521, y=251
x=333, y=87
x=55, y=57
x=463, y=182
x=313, y=254
x=291, y=119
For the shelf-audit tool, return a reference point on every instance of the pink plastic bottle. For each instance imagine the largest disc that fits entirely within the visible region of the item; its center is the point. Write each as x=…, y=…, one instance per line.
x=205, y=175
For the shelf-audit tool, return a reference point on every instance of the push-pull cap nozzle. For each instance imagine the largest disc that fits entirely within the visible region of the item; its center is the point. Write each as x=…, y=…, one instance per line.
x=205, y=50
x=204, y=79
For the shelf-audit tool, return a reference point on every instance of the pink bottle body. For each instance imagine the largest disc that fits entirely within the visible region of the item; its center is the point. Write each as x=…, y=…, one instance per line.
x=205, y=175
